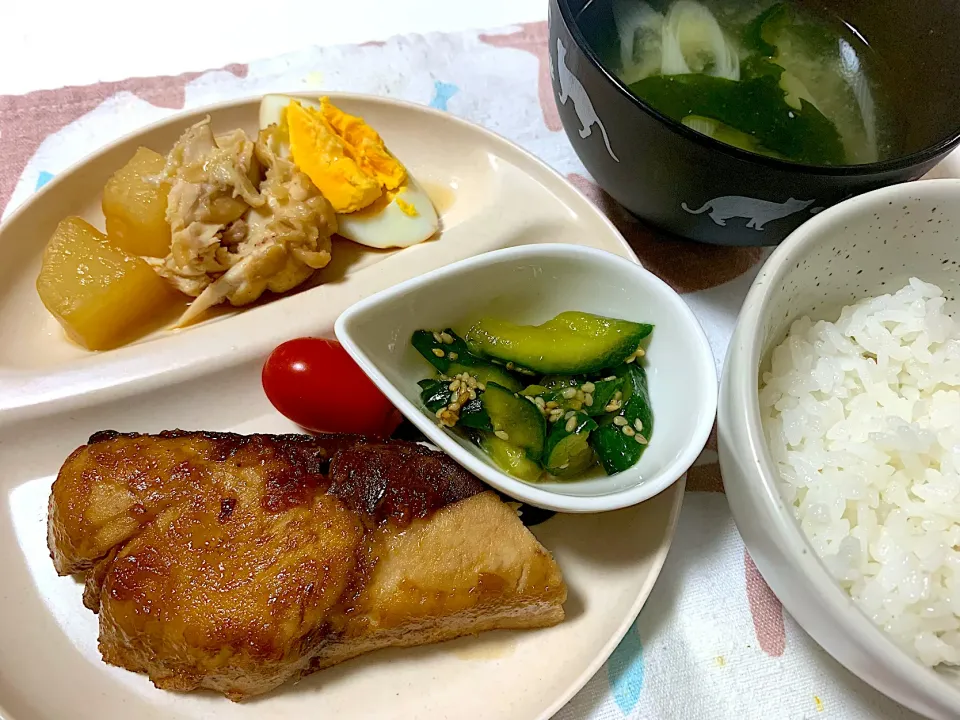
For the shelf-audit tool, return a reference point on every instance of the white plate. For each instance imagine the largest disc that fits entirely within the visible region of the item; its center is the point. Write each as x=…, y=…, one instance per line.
x=54, y=395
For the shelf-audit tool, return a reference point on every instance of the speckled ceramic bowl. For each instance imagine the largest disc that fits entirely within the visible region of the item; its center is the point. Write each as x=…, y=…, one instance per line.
x=693, y=186
x=863, y=247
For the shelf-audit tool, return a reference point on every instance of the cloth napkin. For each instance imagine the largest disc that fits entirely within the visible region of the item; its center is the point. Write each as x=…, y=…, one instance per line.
x=712, y=641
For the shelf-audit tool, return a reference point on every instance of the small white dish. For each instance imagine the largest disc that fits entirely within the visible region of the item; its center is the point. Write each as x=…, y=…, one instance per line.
x=863, y=247
x=532, y=284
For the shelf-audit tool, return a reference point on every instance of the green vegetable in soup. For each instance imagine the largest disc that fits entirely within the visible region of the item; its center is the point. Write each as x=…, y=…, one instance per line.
x=757, y=33
x=776, y=80
x=753, y=105
x=826, y=71
x=726, y=134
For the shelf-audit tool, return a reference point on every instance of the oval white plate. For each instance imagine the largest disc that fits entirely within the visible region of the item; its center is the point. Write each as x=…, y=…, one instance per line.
x=54, y=395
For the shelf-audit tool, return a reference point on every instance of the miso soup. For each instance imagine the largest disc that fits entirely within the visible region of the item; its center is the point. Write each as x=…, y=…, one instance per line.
x=770, y=78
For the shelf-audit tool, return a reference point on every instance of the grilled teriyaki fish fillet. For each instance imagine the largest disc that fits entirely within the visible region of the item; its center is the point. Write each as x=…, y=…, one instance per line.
x=236, y=563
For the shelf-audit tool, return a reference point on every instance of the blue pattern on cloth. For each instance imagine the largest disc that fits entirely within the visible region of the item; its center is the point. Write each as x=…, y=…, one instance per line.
x=42, y=179
x=442, y=92
x=625, y=670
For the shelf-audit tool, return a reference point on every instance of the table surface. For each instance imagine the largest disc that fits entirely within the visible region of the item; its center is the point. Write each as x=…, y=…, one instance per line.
x=712, y=640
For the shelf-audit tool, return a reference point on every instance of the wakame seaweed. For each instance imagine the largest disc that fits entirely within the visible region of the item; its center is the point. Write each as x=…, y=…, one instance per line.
x=756, y=105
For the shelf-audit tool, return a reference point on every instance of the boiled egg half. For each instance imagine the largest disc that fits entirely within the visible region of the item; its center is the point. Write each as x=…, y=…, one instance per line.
x=377, y=201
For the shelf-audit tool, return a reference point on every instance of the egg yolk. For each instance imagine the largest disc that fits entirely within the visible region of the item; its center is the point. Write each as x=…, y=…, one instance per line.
x=344, y=157
x=406, y=208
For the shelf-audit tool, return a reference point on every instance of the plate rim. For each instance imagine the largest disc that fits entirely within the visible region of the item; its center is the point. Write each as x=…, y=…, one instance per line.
x=679, y=488
x=180, y=373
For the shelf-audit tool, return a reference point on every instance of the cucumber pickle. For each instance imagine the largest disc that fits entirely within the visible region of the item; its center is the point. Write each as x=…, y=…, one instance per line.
x=543, y=401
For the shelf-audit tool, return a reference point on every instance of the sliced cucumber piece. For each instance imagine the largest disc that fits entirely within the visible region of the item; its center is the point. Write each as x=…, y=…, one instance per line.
x=615, y=441
x=473, y=415
x=509, y=458
x=485, y=373
x=561, y=381
x=573, y=395
x=603, y=392
x=573, y=342
x=454, y=357
x=515, y=419
x=636, y=398
x=567, y=451
x=438, y=353
x=434, y=394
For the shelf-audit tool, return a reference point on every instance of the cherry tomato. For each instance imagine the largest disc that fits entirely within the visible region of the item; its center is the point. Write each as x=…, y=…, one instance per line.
x=316, y=384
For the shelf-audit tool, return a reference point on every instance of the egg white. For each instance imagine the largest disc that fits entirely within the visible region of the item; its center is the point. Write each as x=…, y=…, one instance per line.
x=385, y=227
x=272, y=107
x=390, y=226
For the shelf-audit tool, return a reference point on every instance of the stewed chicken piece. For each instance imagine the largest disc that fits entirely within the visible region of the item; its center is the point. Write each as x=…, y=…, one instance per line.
x=235, y=233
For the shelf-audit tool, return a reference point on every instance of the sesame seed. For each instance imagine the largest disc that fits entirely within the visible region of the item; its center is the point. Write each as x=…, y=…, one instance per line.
x=551, y=404
x=620, y=420
x=438, y=352
x=569, y=393
x=539, y=400
x=612, y=406
x=618, y=395
x=588, y=387
x=454, y=396
x=564, y=466
x=588, y=399
x=455, y=385
x=571, y=424
x=502, y=435
x=436, y=336
x=471, y=381
x=609, y=378
x=481, y=386
x=446, y=338
x=628, y=431
x=638, y=424
x=569, y=414
x=641, y=439
x=440, y=411
x=630, y=359
x=640, y=352
x=531, y=398
x=452, y=355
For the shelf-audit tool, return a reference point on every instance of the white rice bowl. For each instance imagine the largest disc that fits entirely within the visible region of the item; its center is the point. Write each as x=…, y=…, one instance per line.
x=862, y=418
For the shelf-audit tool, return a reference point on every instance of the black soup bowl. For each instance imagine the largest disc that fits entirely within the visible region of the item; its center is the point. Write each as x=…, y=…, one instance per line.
x=693, y=186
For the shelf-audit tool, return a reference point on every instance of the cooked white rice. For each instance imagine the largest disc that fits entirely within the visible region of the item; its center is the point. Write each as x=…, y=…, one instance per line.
x=862, y=418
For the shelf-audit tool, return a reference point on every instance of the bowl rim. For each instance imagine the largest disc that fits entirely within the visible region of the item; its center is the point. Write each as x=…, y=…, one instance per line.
x=484, y=469
x=739, y=406
x=879, y=167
